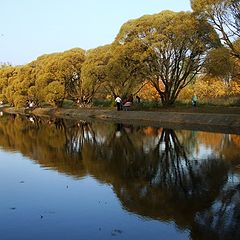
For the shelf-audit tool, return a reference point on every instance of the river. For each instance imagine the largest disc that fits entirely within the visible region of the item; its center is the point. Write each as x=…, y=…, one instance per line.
x=73, y=179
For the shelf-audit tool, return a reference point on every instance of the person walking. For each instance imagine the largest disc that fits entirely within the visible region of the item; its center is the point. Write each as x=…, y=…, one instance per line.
x=194, y=100
x=118, y=100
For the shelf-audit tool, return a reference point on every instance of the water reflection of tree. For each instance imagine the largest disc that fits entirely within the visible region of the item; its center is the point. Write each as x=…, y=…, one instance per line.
x=116, y=154
x=48, y=141
x=166, y=166
x=221, y=220
x=77, y=135
x=173, y=163
x=184, y=175
x=163, y=183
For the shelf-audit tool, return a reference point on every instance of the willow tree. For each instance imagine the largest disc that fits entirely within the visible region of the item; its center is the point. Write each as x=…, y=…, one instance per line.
x=64, y=68
x=175, y=45
x=224, y=16
x=50, y=78
x=219, y=63
x=126, y=69
x=69, y=65
x=113, y=69
x=94, y=71
x=61, y=70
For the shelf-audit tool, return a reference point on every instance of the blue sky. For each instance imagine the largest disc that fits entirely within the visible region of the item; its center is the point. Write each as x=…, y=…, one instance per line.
x=30, y=28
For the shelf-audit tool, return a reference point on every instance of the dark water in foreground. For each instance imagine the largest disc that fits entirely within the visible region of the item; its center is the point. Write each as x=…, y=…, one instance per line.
x=69, y=179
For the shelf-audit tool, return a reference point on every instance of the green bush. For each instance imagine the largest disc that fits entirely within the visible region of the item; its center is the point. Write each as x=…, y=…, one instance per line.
x=103, y=103
x=68, y=104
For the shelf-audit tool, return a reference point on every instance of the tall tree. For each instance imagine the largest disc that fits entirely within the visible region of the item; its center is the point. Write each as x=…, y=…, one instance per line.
x=173, y=49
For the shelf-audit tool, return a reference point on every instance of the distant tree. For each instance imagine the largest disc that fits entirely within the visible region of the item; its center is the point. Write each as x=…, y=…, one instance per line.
x=174, y=46
x=5, y=64
x=220, y=63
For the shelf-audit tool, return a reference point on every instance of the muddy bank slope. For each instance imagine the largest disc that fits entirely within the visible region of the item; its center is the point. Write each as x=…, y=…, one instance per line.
x=213, y=122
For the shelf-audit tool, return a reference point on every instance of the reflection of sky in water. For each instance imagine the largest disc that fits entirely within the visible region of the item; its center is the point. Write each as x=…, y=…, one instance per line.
x=203, y=152
x=38, y=203
x=233, y=179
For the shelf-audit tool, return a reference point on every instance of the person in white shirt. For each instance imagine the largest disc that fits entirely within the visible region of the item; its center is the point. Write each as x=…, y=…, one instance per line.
x=118, y=100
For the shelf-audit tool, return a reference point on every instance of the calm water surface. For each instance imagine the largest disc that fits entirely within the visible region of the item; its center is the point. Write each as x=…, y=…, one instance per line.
x=71, y=179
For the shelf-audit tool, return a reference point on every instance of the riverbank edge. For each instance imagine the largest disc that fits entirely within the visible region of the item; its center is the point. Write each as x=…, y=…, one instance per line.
x=211, y=122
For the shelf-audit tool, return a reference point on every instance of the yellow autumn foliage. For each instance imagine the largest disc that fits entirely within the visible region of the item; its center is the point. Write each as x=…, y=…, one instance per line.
x=211, y=87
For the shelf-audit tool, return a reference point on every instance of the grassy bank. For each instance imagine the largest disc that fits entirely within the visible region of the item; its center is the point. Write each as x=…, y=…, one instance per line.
x=220, y=105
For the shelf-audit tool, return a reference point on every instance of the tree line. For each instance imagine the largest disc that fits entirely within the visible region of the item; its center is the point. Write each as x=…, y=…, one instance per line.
x=166, y=51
